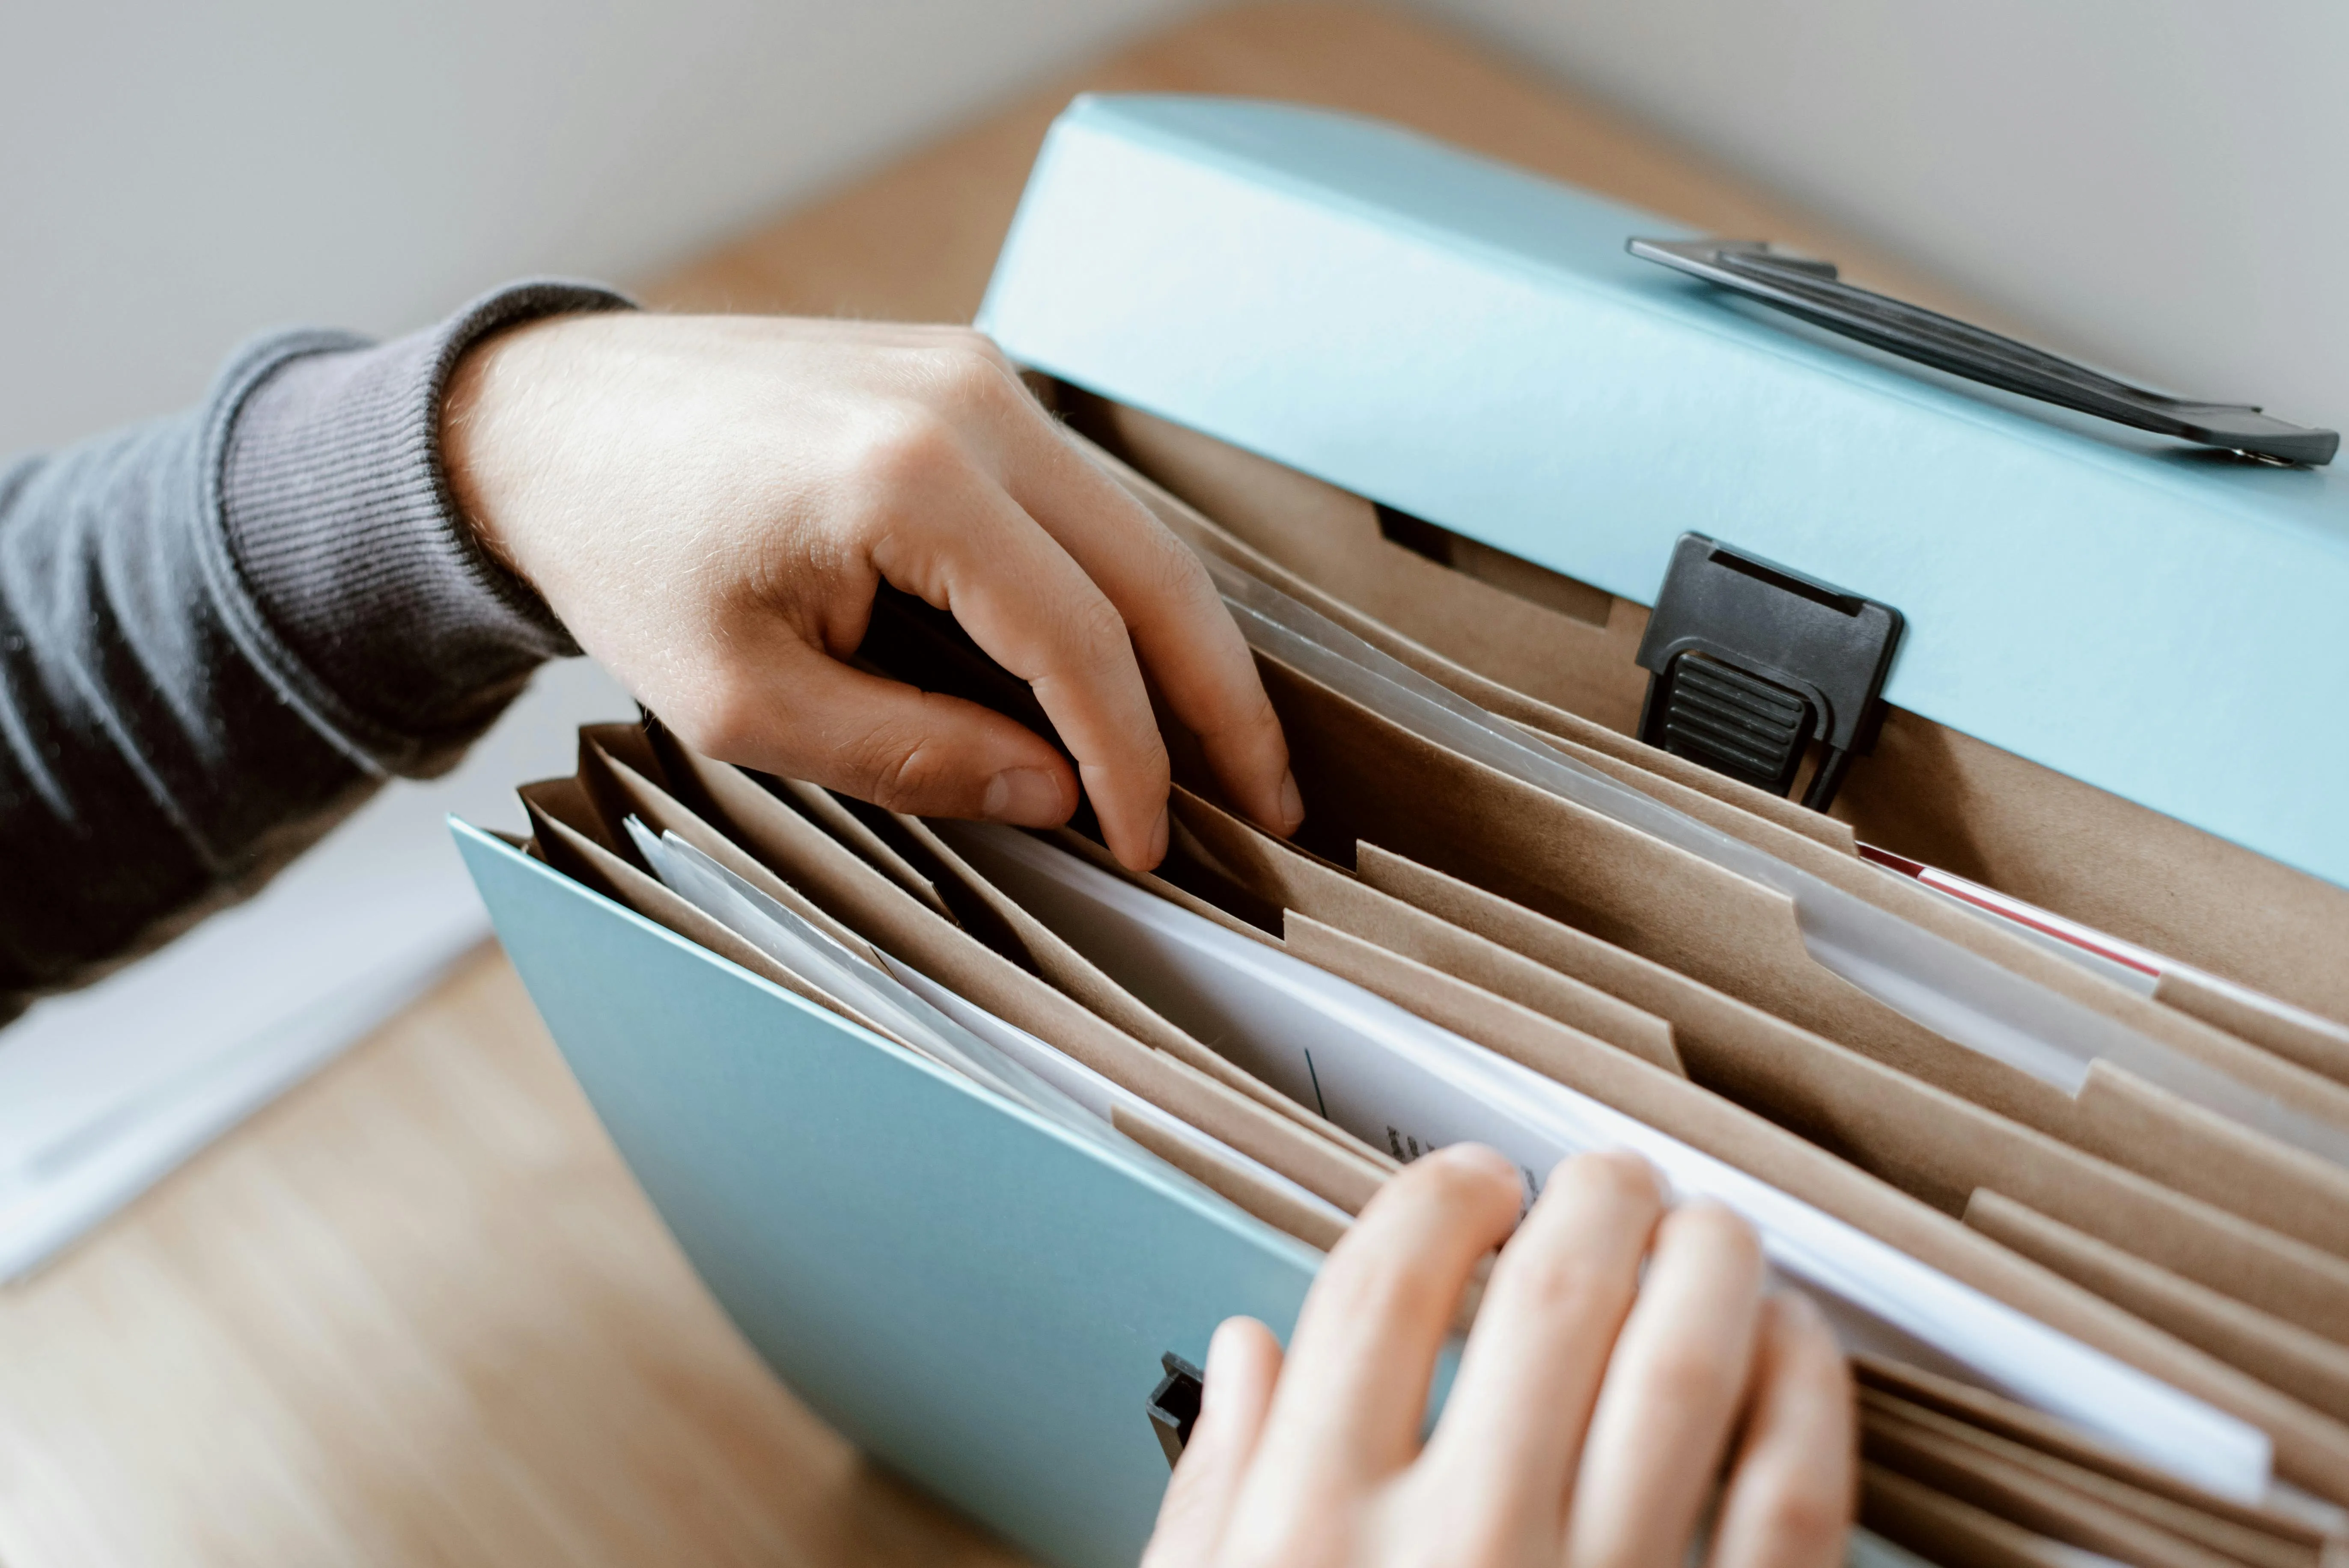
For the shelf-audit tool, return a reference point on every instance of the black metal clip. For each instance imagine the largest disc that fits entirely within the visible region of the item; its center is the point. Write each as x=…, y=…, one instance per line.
x=1808, y=288
x=1175, y=1405
x=1748, y=662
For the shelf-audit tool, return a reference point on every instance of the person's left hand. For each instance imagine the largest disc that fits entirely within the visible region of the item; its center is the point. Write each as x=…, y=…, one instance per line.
x=1597, y=1407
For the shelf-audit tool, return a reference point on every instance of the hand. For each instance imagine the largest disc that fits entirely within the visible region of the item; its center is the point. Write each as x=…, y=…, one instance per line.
x=1591, y=1414
x=710, y=502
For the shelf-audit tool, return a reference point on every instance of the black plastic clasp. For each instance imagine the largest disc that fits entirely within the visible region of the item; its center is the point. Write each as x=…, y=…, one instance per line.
x=1809, y=288
x=1175, y=1405
x=1749, y=662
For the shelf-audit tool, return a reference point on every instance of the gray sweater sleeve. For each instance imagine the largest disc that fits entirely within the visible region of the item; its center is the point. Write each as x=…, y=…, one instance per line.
x=222, y=630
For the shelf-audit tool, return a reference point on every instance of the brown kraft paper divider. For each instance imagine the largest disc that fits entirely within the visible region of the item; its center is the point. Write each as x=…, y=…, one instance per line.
x=1953, y=1535
x=1927, y=792
x=816, y=804
x=1097, y=855
x=1367, y=776
x=577, y=856
x=1927, y=1140
x=1752, y=815
x=2317, y=1044
x=2026, y=1496
x=1932, y=1144
x=2280, y=1353
x=1984, y=1411
x=894, y=920
x=1275, y=1208
x=1203, y=534
x=1071, y=972
x=2314, y=1449
x=1297, y=884
x=659, y=810
x=2095, y=1499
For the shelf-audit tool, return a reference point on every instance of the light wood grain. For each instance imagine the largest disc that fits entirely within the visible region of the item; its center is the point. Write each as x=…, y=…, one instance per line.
x=417, y=1313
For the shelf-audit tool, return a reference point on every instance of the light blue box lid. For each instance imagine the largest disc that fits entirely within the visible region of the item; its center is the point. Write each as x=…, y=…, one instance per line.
x=1470, y=343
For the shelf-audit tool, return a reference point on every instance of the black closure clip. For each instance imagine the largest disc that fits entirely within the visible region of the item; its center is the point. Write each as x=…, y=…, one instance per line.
x=1749, y=662
x=1175, y=1405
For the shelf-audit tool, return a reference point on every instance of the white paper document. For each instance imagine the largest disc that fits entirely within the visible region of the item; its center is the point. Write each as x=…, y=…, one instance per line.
x=1387, y=1076
x=951, y=1030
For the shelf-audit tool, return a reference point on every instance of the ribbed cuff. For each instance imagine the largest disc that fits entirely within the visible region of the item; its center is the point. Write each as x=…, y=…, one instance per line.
x=368, y=593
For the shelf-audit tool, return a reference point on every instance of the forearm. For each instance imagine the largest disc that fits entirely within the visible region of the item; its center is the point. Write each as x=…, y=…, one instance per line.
x=220, y=630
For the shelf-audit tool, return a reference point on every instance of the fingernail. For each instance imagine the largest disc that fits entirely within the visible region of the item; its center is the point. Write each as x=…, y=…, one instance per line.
x=1158, y=838
x=1028, y=796
x=1292, y=804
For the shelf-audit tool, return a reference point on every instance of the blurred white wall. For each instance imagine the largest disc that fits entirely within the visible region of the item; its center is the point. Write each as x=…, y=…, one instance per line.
x=2154, y=183
x=2160, y=184
x=175, y=174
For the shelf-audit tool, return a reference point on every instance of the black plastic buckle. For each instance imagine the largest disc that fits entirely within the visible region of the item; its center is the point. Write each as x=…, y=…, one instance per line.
x=1808, y=288
x=1175, y=1405
x=1748, y=662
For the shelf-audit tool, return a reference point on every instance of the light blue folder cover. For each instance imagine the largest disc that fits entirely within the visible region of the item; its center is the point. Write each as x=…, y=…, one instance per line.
x=965, y=1292
x=1470, y=344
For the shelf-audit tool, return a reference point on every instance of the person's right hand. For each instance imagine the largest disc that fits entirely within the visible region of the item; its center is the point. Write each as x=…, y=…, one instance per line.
x=1592, y=1416
x=709, y=503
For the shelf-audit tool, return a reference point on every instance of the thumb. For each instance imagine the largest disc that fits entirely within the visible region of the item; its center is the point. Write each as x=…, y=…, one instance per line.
x=1243, y=1364
x=805, y=715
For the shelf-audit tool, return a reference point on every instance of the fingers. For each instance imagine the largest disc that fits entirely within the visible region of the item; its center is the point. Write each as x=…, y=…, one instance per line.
x=1789, y=1498
x=881, y=740
x=1354, y=1391
x=968, y=549
x=1243, y=1365
x=1676, y=1382
x=1511, y=1430
x=1180, y=628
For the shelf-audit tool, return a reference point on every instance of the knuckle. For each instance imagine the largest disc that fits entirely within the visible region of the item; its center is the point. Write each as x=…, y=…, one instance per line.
x=901, y=773
x=1092, y=637
x=969, y=369
x=908, y=453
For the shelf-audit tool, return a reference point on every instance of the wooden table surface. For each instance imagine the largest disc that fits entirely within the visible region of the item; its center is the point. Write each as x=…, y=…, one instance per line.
x=417, y=1311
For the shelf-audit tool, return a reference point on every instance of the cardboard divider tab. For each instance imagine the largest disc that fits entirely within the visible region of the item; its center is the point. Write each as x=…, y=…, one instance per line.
x=2318, y=1043
x=2280, y=1353
x=1924, y=1139
x=894, y=921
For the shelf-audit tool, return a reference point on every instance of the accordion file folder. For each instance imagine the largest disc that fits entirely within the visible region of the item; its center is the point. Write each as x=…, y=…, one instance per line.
x=1429, y=393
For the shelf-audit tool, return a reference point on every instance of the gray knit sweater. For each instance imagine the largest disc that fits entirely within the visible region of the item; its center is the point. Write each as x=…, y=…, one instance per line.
x=222, y=630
